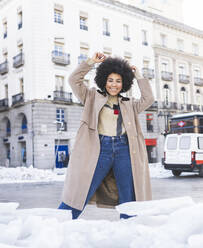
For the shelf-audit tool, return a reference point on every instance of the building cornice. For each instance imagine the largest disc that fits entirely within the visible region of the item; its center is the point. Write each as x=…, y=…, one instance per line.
x=135, y=11
x=3, y=3
x=148, y=15
x=173, y=53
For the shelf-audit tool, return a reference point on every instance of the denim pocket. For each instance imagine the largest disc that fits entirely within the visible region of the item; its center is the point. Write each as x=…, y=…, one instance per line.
x=124, y=140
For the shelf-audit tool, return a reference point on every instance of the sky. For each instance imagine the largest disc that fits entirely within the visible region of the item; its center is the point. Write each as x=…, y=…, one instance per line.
x=193, y=13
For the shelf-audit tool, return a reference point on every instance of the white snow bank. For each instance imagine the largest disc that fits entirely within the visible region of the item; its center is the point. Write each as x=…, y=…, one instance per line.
x=30, y=174
x=157, y=171
x=156, y=207
x=7, y=208
x=181, y=227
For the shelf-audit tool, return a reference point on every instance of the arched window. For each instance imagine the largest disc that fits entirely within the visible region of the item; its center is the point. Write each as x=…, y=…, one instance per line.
x=24, y=124
x=166, y=94
x=8, y=128
x=183, y=95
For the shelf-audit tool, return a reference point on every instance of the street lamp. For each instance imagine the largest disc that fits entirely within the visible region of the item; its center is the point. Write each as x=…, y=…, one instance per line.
x=166, y=116
x=59, y=131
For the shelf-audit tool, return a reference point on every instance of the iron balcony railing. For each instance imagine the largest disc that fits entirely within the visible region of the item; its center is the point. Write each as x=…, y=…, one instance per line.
x=169, y=105
x=18, y=98
x=4, y=67
x=84, y=27
x=166, y=75
x=18, y=60
x=145, y=43
x=189, y=107
x=61, y=126
x=153, y=106
x=4, y=103
x=126, y=38
x=148, y=73
x=82, y=58
x=107, y=33
x=20, y=25
x=198, y=81
x=184, y=78
x=63, y=96
x=196, y=107
x=60, y=58
x=60, y=21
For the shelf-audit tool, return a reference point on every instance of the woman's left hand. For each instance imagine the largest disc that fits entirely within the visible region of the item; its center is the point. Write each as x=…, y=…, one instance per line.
x=136, y=72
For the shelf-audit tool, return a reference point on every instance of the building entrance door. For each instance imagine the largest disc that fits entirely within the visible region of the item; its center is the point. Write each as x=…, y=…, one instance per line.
x=62, y=156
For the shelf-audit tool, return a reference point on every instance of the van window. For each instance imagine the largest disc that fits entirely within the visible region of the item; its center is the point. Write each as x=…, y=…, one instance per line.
x=185, y=142
x=200, y=143
x=172, y=143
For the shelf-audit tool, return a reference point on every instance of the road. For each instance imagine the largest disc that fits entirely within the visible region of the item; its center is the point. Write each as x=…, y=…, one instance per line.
x=47, y=195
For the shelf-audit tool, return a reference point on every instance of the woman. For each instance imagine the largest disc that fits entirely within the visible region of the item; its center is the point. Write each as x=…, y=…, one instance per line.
x=108, y=164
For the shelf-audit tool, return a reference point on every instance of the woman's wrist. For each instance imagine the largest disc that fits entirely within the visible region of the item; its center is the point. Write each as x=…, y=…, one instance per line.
x=90, y=61
x=137, y=74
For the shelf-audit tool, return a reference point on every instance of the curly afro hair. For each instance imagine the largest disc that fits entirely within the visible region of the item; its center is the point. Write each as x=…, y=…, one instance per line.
x=114, y=65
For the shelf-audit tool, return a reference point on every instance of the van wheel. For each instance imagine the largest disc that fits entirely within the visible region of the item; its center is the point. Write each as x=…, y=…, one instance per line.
x=201, y=172
x=176, y=173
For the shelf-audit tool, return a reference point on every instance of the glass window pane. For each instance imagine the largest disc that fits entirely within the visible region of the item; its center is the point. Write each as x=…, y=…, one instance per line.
x=172, y=143
x=200, y=143
x=185, y=143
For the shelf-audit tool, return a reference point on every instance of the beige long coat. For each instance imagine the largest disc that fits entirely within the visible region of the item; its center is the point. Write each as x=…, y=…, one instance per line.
x=86, y=150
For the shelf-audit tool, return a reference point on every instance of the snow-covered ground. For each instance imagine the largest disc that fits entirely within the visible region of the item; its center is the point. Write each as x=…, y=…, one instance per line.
x=30, y=174
x=169, y=223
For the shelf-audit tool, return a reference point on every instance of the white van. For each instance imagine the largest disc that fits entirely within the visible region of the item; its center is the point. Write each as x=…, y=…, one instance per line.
x=184, y=152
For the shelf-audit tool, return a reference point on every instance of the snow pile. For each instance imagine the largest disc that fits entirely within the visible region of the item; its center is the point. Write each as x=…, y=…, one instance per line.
x=157, y=171
x=179, y=227
x=30, y=174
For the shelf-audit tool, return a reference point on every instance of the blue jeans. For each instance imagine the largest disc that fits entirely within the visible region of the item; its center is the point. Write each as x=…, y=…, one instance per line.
x=114, y=153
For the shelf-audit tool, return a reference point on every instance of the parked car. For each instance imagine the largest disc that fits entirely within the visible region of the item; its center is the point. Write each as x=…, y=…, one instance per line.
x=184, y=152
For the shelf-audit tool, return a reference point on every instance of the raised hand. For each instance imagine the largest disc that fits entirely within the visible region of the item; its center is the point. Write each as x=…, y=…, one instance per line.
x=98, y=57
x=136, y=72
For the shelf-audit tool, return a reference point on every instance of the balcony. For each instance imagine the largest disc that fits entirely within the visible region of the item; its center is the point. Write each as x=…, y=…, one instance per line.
x=145, y=43
x=184, y=78
x=189, y=107
x=18, y=60
x=154, y=106
x=60, y=58
x=183, y=107
x=198, y=81
x=4, y=104
x=82, y=58
x=57, y=20
x=174, y=105
x=106, y=33
x=63, y=96
x=148, y=73
x=4, y=68
x=166, y=76
x=196, y=107
x=61, y=126
x=20, y=25
x=169, y=105
x=126, y=38
x=19, y=98
x=84, y=27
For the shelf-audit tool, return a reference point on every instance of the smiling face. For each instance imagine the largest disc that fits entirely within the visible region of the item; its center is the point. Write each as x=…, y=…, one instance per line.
x=114, y=84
